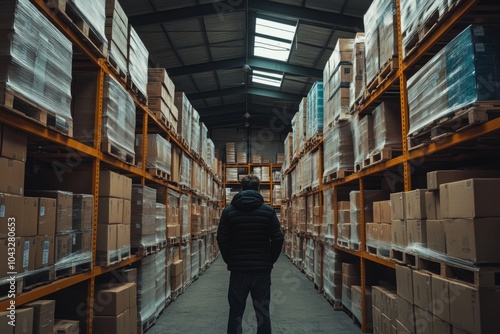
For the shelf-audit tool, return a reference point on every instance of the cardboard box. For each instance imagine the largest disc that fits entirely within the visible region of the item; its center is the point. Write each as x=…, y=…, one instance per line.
x=435, y=236
x=422, y=290
x=12, y=180
x=406, y=316
x=83, y=212
x=28, y=226
x=24, y=320
x=133, y=320
x=29, y=250
x=63, y=326
x=432, y=208
x=112, y=301
x=110, y=184
x=132, y=287
x=382, y=212
x=43, y=316
x=13, y=143
x=110, y=210
x=423, y=321
x=473, y=239
x=440, y=327
x=441, y=298
x=349, y=281
x=398, y=206
x=344, y=216
x=377, y=320
x=128, y=275
x=18, y=266
x=344, y=205
x=5, y=327
x=106, y=238
x=415, y=204
x=83, y=242
x=47, y=210
x=474, y=310
x=350, y=269
x=111, y=324
x=64, y=205
x=11, y=213
x=416, y=231
x=377, y=296
x=63, y=247
x=44, y=253
x=404, y=278
x=398, y=231
x=127, y=212
x=470, y=198
x=386, y=324
x=436, y=178
x=177, y=281
x=122, y=236
x=173, y=231
x=177, y=268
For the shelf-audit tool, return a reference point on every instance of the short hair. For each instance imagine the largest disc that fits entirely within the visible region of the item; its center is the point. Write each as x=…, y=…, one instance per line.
x=250, y=182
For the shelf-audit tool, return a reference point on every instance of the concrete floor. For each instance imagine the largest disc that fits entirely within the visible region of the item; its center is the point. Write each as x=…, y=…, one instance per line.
x=295, y=305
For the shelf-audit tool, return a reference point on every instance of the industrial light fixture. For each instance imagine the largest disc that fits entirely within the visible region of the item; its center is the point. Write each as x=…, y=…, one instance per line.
x=247, y=115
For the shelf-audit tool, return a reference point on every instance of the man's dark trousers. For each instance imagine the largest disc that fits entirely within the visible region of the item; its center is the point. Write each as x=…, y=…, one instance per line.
x=259, y=287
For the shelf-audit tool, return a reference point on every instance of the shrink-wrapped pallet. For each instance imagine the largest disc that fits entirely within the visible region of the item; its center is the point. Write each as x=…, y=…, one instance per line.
x=159, y=152
x=116, y=30
x=338, y=151
x=358, y=69
x=185, y=111
x=315, y=110
x=143, y=222
x=137, y=60
x=94, y=14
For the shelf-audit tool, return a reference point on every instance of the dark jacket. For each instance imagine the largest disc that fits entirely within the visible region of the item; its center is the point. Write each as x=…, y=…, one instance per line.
x=249, y=234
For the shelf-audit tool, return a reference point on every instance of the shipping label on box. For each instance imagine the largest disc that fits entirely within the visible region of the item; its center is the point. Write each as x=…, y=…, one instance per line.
x=47, y=210
x=45, y=248
x=11, y=211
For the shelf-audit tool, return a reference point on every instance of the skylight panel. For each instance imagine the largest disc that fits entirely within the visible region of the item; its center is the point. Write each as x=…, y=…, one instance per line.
x=273, y=39
x=267, y=78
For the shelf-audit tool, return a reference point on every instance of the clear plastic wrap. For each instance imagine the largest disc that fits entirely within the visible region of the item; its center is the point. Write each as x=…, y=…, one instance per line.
x=210, y=154
x=143, y=222
x=332, y=278
x=306, y=163
x=309, y=214
x=231, y=174
x=185, y=211
x=118, y=125
x=94, y=14
x=138, y=57
x=288, y=151
x=266, y=194
x=358, y=69
x=241, y=157
x=318, y=263
x=185, y=177
x=328, y=218
x=159, y=154
x=203, y=143
x=173, y=217
x=186, y=259
x=424, y=252
x=146, y=289
x=299, y=127
x=230, y=152
x=315, y=110
x=196, y=177
x=338, y=153
x=276, y=194
x=315, y=169
x=161, y=222
x=117, y=36
x=386, y=126
x=378, y=235
x=195, y=259
x=36, y=58
x=203, y=253
x=309, y=258
x=362, y=134
x=185, y=110
x=160, y=277
x=380, y=36
x=466, y=71
x=195, y=132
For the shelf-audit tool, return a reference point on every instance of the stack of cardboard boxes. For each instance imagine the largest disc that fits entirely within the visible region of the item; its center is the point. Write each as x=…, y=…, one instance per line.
x=332, y=274
x=143, y=227
x=378, y=232
x=385, y=310
x=350, y=277
x=176, y=272
x=116, y=29
x=173, y=219
x=161, y=94
x=115, y=309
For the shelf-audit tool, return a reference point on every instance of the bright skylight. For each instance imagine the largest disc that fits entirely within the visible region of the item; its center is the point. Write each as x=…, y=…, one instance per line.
x=273, y=40
x=267, y=78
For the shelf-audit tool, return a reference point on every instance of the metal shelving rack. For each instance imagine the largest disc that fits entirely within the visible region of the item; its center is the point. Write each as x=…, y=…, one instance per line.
x=95, y=154
x=398, y=79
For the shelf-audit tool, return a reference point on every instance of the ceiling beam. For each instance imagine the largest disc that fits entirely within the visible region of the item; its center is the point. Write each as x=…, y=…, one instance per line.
x=340, y=21
x=242, y=90
x=261, y=63
x=170, y=15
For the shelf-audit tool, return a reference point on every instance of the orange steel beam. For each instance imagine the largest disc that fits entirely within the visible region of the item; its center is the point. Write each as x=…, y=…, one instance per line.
x=379, y=260
x=378, y=93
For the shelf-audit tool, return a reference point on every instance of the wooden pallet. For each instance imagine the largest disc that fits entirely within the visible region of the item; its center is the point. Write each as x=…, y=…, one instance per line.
x=158, y=173
x=22, y=106
x=421, y=33
x=339, y=174
x=69, y=15
x=6, y=288
x=384, y=154
x=107, y=258
x=378, y=251
x=389, y=68
x=136, y=91
x=115, y=151
x=143, y=326
x=113, y=65
x=145, y=250
x=72, y=269
x=336, y=304
x=454, y=122
x=404, y=258
x=343, y=243
x=38, y=278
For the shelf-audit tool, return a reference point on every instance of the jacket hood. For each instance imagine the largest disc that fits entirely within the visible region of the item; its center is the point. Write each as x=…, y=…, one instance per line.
x=247, y=200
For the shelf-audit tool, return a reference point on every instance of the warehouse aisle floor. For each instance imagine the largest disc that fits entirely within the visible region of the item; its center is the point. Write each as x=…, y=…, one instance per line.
x=297, y=308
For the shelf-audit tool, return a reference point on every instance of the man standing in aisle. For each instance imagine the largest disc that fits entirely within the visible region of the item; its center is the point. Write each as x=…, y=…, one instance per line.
x=250, y=241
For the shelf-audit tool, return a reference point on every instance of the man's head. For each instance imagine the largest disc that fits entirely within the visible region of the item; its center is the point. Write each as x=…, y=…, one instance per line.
x=250, y=182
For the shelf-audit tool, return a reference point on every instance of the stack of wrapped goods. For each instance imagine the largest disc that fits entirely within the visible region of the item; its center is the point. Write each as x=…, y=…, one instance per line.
x=33, y=72
x=299, y=124
x=185, y=217
x=143, y=228
x=276, y=194
x=137, y=61
x=266, y=195
x=203, y=255
x=350, y=277
x=344, y=223
x=230, y=152
x=358, y=69
x=338, y=153
x=211, y=155
x=265, y=174
x=314, y=126
x=176, y=273
x=288, y=154
x=161, y=224
x=378, y=231
x=280, y=157
x=385, y=309
x=185, y=111
x=357, y=299
x=316, y=216
x=118, y=122
x=362, y=135
x=83, y=220
x=160, y=278
x=117, y=313
x=196, y=176
x=328, y=219
x=309, y=214
x=195, y=218
x=315, y=169
x=370, y=196
x=194, y=141
x=158, y=158
x=332, y=276
x=168, y=270
x=195, y=259
x=301, y=221
x=381, y=43
x=232, y=174
x=161, y=93
x=318, y=265
x=204, y=144
x=256, y=158
x=185, y=177
x=309, y=258
x=453, y=80
x=146, y=292
x=417, y=18
x=306, y=174
x=241, y=157
x=93, y=13
x=186, y=260
x=116, y=29
x=386, y=132
x=337, y=78
x=173, y=218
